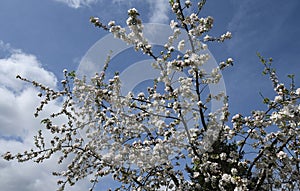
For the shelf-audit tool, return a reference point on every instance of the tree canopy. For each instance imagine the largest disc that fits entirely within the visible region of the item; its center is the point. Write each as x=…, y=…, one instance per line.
x=167, y=137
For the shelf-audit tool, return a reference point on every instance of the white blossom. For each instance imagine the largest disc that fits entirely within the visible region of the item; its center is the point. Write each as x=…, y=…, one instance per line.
x=281, y=155
x=298, y=91
x=181, y=45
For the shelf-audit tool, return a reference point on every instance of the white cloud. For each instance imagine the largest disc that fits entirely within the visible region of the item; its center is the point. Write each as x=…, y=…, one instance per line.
x=158, y=8
x=18, y=126
x=159, y=12
x=77, y=3
x=25, y=65
x=18, y=99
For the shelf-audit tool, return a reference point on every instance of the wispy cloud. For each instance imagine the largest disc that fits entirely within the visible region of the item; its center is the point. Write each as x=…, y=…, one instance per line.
x=77, y=3
x=252, y=24
x=158, y=8
x=159, y=13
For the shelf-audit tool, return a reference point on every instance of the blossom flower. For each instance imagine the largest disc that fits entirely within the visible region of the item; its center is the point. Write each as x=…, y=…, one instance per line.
x=223, y=156
x=181, y=45
x=207, y=38
x=234, y=171
x=225, y=36
x=188, y=3
x=278, y=99
x=111, y=23
x=173, y=24
x=298, y=91
x=229, y=60
x=226, y=177
x=281, y=155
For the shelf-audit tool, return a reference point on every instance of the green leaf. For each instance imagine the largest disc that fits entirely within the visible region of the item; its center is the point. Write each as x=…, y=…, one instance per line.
x=72, y=74
x=266, y=100
x=291, y=76
x=45, y=121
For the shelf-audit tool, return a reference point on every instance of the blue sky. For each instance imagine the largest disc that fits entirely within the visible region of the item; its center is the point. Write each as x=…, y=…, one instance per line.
x=38, y=39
